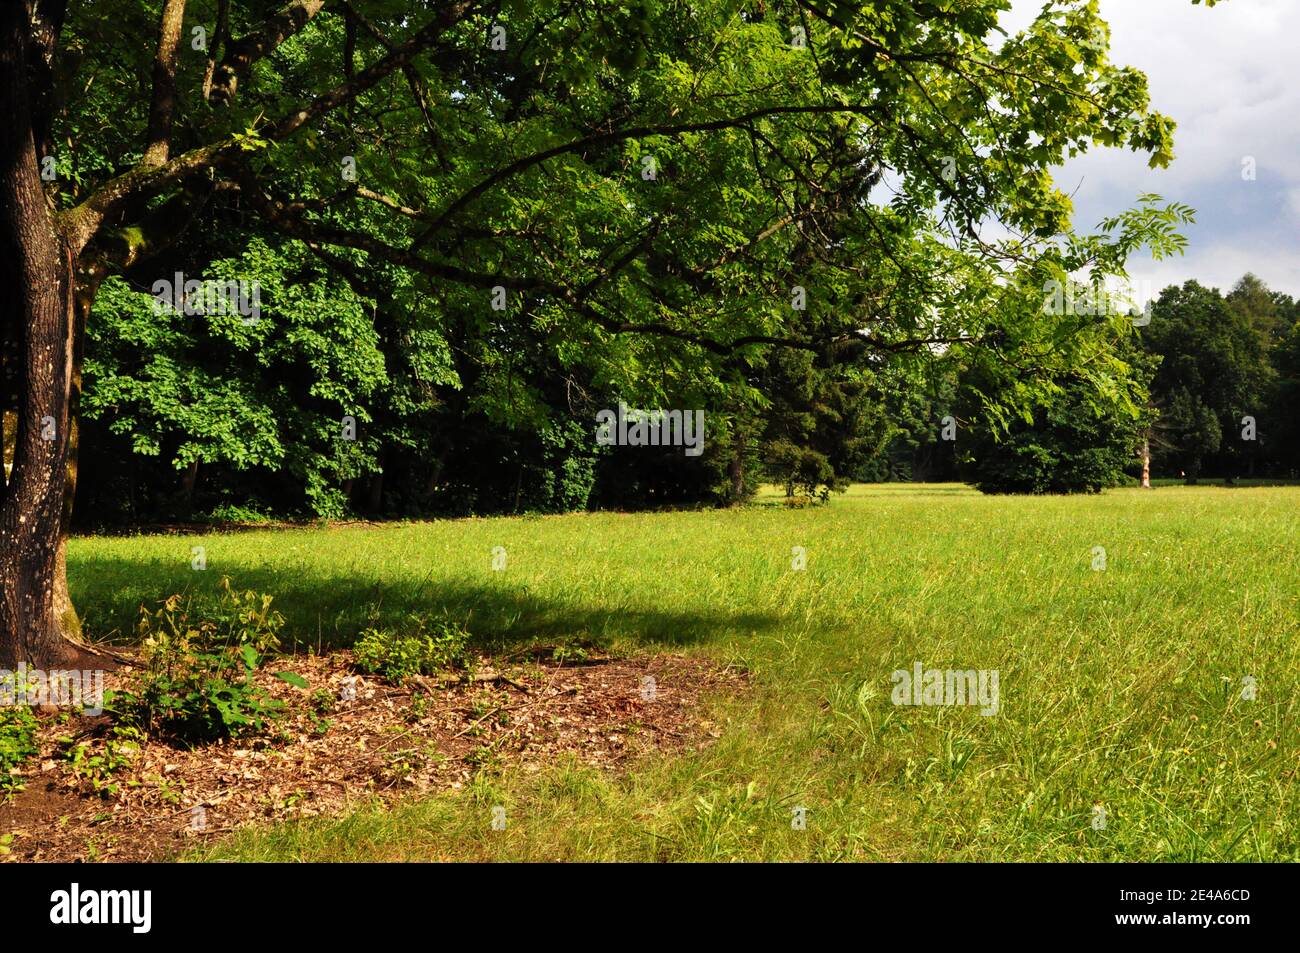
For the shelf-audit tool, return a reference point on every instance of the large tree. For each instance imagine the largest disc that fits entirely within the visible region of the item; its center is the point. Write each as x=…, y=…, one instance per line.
x=1213, y=377
x=646, y=180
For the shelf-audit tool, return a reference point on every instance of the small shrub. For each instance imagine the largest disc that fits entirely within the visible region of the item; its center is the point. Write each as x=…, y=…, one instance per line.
x=244, y=618
x=577, y=650
x=234, y=513
x=17, y=744
x=322, y=702
x=100, y=764
x=569, y=652
x=433, y=646
x=197, y=681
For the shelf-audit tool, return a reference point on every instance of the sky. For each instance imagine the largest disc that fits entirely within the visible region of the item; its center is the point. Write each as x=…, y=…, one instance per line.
x=1230, y=77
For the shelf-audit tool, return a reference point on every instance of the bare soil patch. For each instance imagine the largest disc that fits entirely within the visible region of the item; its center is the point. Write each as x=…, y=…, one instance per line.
x=345, y=742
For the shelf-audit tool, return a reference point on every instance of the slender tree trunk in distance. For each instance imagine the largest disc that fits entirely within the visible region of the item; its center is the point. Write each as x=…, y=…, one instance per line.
x=736, y=470
x=376, y=501
x=188, y=481
x=1146, y=463
x=435, y=474
x=86, y=285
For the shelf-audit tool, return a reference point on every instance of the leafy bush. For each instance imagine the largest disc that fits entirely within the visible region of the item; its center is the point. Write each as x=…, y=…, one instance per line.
x=238, y=513
x=256, y=407
x=568, y=471
x=434, y=645
x=197, y=679
x=1076, y=443
x=244, y=619
x=17, y=744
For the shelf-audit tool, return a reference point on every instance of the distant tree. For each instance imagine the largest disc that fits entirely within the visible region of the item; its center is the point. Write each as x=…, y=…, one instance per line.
x=1213, y=373
x=1285, y=403
x=1075, y=440
x=821, y=424
x=1267, y=312
x=917, y=395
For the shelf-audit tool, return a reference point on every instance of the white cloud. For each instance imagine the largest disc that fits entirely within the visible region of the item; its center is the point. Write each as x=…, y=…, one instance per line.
x=1227, y=75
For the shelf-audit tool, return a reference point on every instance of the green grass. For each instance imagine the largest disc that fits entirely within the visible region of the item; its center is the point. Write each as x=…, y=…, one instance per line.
x=1120, y=688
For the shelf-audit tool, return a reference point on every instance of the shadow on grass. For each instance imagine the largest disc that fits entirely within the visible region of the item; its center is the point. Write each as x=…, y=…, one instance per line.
x=325, y=611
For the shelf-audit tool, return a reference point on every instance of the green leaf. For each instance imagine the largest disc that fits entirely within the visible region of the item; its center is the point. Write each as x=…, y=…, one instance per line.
x=293, y=678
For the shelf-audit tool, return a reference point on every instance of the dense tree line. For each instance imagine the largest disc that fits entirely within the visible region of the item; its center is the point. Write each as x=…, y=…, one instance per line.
x=1225, y=387
x=196, y=419
x=1210, y=390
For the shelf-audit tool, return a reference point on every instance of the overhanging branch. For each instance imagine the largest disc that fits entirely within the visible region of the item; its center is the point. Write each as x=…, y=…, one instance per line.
x=619, y=135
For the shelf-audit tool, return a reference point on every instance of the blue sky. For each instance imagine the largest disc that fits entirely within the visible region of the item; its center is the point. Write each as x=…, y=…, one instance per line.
x=1230, y=77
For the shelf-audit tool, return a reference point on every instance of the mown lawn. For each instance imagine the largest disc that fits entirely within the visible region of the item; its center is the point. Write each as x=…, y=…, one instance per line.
x=1120, y=690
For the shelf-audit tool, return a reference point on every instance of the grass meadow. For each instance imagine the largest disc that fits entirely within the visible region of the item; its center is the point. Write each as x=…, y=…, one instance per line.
x=1123, y=690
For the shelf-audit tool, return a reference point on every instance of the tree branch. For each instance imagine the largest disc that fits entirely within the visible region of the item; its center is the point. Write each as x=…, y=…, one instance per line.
x=163, y=101
x=412, y=77
x=80, y=224
x=400, y=55
x=219, y=37
x=241, y=54
x=47, y=24
x=618, y=135
x=285, y=218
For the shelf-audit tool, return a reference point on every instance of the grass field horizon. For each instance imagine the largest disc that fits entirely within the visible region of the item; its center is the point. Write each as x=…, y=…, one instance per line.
x=1121, y=689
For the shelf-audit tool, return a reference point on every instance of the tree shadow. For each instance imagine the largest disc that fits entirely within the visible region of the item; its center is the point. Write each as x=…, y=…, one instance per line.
x=324, y=610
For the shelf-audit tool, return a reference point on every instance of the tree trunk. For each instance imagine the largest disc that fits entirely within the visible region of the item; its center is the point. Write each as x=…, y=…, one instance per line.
x=86, y=285
x=65, y=613
x=736, y=470
x=1146, y=463
x=431, y=485
x=38, y=314
x=376, y=501
x=188, y=481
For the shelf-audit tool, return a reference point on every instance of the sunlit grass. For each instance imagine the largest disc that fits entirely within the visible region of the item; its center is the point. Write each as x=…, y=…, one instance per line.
x=1120, y=689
